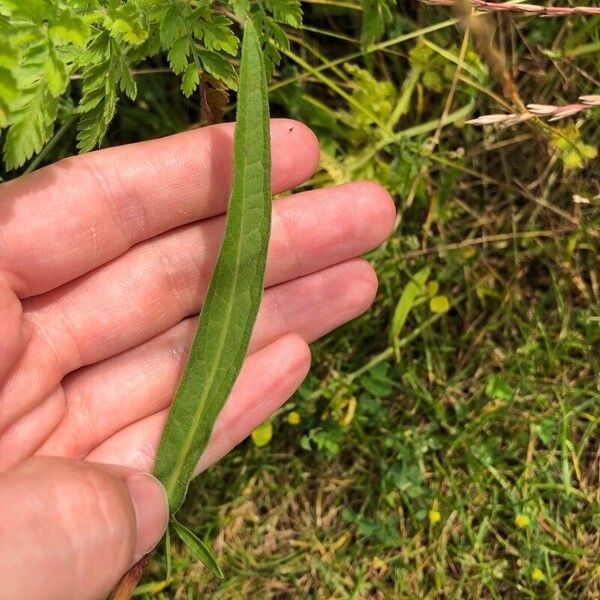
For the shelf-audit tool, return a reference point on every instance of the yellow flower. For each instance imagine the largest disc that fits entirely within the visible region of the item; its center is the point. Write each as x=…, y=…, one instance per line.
x=439, y=304
x=522, y=521
x=434, y=516
x=537, y=575
x=293, y=418
x=432, y=288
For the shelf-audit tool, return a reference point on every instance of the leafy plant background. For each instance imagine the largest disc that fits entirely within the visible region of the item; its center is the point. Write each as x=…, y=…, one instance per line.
x=445, y=443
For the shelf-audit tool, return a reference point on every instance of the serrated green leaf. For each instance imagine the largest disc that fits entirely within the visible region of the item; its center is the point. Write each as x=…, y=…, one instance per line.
x=126, y=22
x=123, y=74
x=235, y=291
x=32, y=9
x=3, y=113
x=217, y=34
x=31, y=70
x=172, y=27
x=126, y=81
x=32, y=127
x=375, y=14
x=197, y=548
x=286, y=11
x=9, y=56
x=9, y=88
x=69, y=29
x=190, y=80
x=99, y=99
x=56, y=73
x=93, y=125
x=34, y=109
x=178, y=54
x=218, y=67
x=277, y=34
x=9, y=5
x=241, y=8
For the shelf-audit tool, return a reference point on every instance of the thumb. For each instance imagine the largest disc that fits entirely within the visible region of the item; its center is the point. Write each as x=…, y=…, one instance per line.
x=70, y=529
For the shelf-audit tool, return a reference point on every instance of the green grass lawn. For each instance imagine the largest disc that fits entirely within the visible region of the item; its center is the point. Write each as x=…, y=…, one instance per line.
x=459, y=455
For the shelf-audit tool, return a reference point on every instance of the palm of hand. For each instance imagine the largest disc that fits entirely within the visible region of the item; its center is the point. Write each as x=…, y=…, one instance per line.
x=104, y=260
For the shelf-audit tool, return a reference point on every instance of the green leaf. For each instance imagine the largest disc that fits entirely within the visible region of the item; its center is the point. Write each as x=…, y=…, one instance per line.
x=152, y=587
x=123, y=73
x=56, y=73
x=218, y=67
x=70, y=29
x=378, y=381
x=197, y=548
x=432, y=81
x=172, y=27
x=263, y=434
x=33, y=112
x=36, y=10
x=375, y=15
x=190, y=80
x=99, y=93
x=412, y=289
x=277, y=34
x=178, y=54
x=8, y=85
x=235, y=291
x=286, y=11
x=9, y=56
x=4, y=110
x=125, y=22
x=497, y=388
x=32, y=127
x=241, y=8
x=217, y=35
x=100, y=81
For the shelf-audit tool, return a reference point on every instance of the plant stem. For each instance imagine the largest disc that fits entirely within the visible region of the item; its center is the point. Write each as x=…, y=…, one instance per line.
x=527, y=9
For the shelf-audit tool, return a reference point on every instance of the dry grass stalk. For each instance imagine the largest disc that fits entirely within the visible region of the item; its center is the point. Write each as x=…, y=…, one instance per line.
x=526, y=9
x=483, y=30
x=544, y=111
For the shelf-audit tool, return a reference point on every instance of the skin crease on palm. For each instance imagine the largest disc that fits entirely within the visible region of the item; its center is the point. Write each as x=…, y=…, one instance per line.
x=104, y=260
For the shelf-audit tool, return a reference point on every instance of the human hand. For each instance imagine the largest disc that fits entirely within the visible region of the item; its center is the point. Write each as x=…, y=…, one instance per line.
x=104, y=260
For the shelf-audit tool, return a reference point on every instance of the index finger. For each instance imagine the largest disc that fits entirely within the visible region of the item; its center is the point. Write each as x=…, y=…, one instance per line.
x=69, y=218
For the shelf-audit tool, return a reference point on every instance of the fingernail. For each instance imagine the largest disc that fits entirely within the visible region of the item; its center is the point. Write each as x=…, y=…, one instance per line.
x=151, y=511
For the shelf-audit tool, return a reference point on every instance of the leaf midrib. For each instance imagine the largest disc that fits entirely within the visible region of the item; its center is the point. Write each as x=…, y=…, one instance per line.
x=189, y=439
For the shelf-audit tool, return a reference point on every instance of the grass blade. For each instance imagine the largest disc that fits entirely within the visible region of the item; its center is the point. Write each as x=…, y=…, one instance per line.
x=235, y=291
x=412, y=289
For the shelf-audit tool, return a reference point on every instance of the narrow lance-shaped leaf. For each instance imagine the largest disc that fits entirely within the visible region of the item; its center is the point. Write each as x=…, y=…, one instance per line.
x=197, y=548
x=413, y=288
x=235, y=291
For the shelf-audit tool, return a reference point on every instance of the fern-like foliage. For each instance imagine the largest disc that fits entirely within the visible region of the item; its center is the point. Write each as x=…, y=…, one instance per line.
x=52, y=51
x=376, y=15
